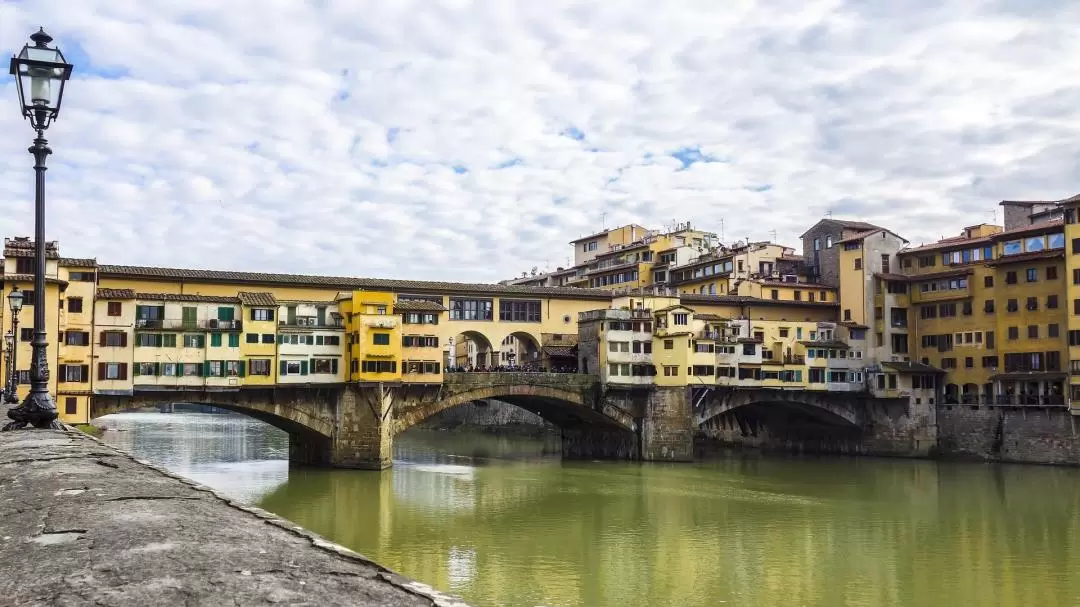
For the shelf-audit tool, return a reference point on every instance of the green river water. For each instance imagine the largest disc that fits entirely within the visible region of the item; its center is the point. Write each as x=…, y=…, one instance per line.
x=504, y=521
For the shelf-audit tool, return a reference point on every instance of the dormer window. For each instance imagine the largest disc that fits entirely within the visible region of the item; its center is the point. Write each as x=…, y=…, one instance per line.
x=680, y=319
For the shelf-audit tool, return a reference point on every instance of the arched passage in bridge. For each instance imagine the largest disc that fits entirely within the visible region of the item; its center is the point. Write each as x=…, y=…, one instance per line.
x=310, y=432
x=780, y=419
x=521, y=349
x=588, y=430
x=472, y=350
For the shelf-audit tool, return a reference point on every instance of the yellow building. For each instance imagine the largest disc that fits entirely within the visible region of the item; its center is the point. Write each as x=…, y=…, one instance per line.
x=374, y=336
x=421, y=340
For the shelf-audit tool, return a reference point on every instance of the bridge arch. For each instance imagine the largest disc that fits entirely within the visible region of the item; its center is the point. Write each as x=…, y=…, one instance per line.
x=566, y=409
x=827, y=409
x=309, y=422
x=520, y=348
x=472, y=349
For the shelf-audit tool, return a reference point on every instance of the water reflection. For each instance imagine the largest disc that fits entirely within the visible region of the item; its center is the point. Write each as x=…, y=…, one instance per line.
x=502, y=521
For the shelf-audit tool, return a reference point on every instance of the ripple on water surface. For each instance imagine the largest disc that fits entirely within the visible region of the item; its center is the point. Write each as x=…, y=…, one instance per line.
x=503, y=521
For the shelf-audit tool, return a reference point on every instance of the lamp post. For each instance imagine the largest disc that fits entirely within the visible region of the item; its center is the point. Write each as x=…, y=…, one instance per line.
x=9, y=348
x=15, y=303
x=40, y=75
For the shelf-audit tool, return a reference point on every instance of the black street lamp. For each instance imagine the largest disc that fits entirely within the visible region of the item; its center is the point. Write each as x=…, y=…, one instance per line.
x=9, y=349
x=15, y=303
x=40, y=74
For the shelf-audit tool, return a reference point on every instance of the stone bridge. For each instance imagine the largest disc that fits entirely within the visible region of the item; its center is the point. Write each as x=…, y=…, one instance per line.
x=814, y=421
x=353, y=425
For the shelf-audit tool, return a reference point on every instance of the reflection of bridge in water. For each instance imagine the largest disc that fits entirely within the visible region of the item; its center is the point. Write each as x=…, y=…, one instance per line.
x=354, y=425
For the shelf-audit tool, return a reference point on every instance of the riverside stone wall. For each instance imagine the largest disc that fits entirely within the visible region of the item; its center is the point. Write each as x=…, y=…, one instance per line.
x=488, y=414
x=1035, y=435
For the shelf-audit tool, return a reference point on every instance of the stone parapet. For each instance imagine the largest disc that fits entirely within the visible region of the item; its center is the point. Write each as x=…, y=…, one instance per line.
x=83, y=523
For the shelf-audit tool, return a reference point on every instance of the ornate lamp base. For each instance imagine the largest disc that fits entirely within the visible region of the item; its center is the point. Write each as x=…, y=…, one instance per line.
x=36, y=411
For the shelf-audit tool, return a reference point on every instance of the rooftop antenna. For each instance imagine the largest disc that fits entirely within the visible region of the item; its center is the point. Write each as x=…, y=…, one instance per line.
x=603, y=220
x=828, y=213
x=773, y=232
x=721, y=229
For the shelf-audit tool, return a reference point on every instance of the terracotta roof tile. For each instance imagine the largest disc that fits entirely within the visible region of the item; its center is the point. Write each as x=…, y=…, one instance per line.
x=371, y=284
x=186, y=298
x=116, y=293
x=257, y=299
x=691, y=298
x=30, y=278
x=72, y=262
x=567, y=351
x=1007, y=259
x=418, y=306
x=1038, y=227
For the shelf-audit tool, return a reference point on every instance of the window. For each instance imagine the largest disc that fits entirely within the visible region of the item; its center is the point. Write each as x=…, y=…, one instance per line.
x=1033, y=332
x=1053, y=330
x=774, y=294
x=380, y=339
x=215, y=368
x=1032, y=303
x=113, y=339
x=215, y=340
x=470, y=309
x=260, y=366
x=114, y=308
x=988, y=281
x=226, y=313
x=192, y=340
x=618, y=346
x=1051, y=273
x=379, y=366
x=114, y=371
x=642, y=347
x=76, y=338
x=252, y=338
x=519, y=310
x=234, y=368
x=680, y=319
x=1010, y=277
x=145, y=369
x=948, y=310
x=324, y=365
x=858, y=263
x=28, y=297
x=1032, y=274
x=71, y=405
x=671, y=371
x=1051, y=302
x=817, y=244
x=967, y=308
x=73, y=373
x=1014, y=333
x=264, y=314
x=669, y=344
x=990, y=340
x=1076, y=306
x=988, y=306
x=150, y=340
x=74, y=305
x=1012, y=306
x=24, y=265
x=268, y=338
x=1076, y=246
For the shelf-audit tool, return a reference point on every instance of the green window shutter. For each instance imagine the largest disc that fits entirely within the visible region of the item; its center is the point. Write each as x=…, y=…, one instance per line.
x=168, y=341
x=137, y=368
x=215, y=340
x=303, y=367
x=283, y=368
x=206, y=368
x=157, y=368
x=333, y=366
x=234, y=340
x=202, y=341
x=242, y=366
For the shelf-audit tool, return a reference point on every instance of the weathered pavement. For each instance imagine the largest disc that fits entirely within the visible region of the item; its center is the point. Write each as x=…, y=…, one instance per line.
x=82, y=523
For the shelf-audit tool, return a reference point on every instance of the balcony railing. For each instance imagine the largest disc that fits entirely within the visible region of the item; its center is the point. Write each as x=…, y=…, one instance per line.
x=388, y=322
x=178, y=324
x=313, y=323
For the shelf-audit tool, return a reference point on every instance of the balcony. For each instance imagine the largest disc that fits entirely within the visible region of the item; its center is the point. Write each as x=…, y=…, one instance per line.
x=386, y=322
x=215, y=324
x=309, y=323
x=170, y=324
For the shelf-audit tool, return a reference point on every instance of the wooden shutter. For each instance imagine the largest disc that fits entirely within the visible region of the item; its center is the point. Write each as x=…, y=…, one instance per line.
x=123, y=340
x=333, y=366
x=123, y=371
x=206, y=368
x=284, y=368
x=61, y=373
x=101, y=339
x=101, y=369
x=85, y=372
x=303, y=367
x=137, y=370
x=241, y=367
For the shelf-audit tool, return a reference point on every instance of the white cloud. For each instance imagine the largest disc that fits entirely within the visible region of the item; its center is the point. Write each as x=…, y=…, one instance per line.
x=362, y=139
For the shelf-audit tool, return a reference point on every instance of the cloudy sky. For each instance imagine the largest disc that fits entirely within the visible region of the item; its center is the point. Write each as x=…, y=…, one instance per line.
x=469, y=141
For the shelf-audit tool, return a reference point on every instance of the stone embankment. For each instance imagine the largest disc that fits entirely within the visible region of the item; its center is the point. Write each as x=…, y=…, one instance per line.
x=82, y=523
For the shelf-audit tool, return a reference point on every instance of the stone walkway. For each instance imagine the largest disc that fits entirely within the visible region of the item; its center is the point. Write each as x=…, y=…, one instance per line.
x=82, y=523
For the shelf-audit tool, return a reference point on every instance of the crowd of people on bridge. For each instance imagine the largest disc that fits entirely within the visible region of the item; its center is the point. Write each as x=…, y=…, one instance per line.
x=513, y=369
